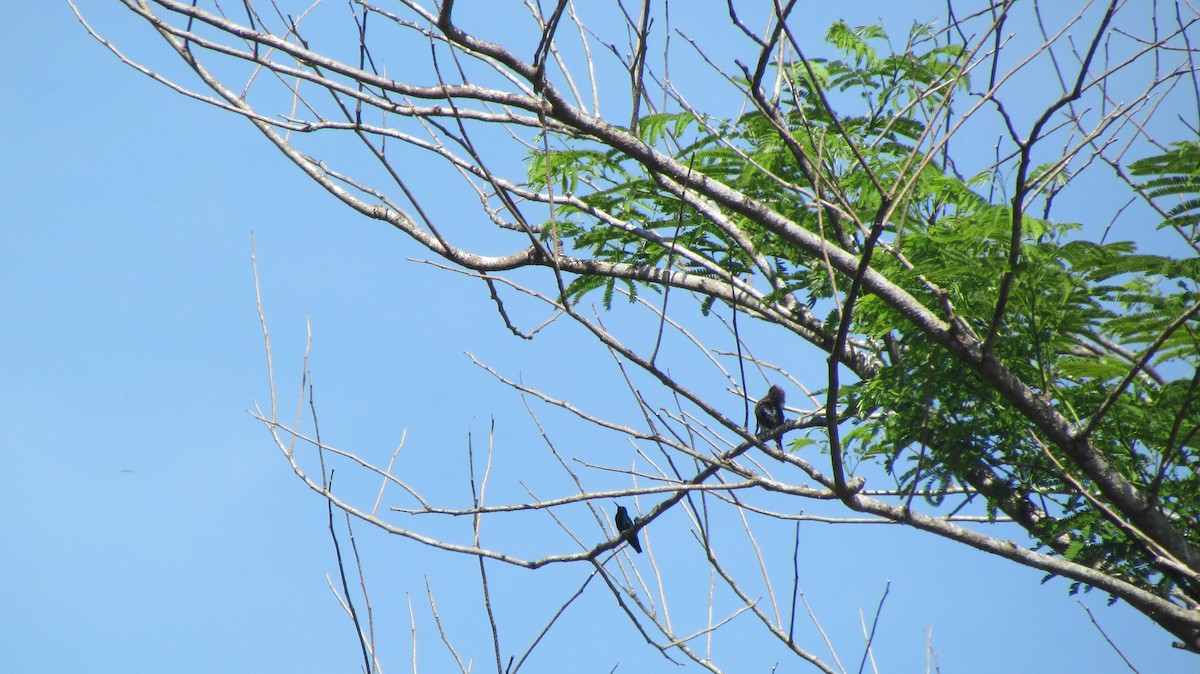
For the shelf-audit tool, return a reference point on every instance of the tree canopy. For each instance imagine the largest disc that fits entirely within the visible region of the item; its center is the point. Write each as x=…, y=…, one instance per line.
x=906, y=208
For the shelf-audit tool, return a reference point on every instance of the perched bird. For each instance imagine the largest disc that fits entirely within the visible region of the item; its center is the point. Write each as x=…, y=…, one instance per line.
x=625, y=524
x=768, y=412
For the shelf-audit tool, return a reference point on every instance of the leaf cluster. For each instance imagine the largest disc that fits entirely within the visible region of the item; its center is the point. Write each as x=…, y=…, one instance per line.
x=643, y=218
x=1098, y=329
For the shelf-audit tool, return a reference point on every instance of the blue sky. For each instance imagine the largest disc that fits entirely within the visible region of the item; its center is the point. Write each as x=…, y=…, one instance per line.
x=152, y=525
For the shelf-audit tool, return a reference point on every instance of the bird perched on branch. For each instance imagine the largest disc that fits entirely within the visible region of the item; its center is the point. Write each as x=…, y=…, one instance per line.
x=768, y=412
x=625, y=524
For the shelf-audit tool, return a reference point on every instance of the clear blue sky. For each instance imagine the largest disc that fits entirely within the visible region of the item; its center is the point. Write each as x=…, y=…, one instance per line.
x=150, y=525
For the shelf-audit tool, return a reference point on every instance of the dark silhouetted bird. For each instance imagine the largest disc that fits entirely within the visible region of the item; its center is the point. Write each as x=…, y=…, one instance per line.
x=625, y=524
x=768, y=412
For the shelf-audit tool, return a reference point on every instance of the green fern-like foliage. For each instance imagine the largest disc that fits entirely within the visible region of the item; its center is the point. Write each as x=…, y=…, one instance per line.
x=748, y=154
x=1099, y=329
x=1070, y=299
x=1174, y=179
